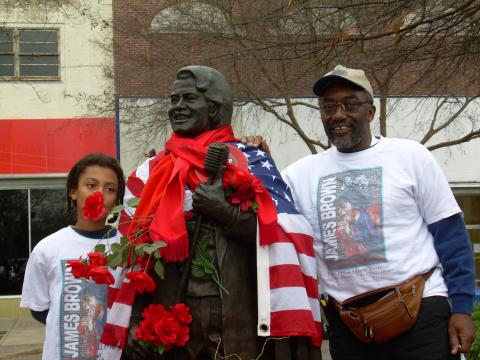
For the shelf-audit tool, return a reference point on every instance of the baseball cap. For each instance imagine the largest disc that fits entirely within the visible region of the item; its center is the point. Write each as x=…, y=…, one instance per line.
x=354, y=76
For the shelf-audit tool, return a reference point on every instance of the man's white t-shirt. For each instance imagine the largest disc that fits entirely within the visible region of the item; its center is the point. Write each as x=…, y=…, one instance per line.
x=77, y=307
x=369, y=211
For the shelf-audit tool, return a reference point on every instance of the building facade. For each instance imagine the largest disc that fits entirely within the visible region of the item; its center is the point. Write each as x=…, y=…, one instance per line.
x=265, y=49
x=54, y=108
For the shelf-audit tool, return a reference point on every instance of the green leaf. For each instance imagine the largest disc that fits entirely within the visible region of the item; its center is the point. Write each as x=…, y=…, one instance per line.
x=117, y=209
x=159, y=269
x=114, y=260
x=133, y=202
x=154, y=246
x=139, y=249
x=116, y=247
x=123, y=241
x=161, y=349
x=100, y=248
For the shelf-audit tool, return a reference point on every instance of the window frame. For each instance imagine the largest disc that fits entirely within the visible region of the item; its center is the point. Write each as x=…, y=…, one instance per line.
x=17, y=55
x=31, y=182
x=471, y=191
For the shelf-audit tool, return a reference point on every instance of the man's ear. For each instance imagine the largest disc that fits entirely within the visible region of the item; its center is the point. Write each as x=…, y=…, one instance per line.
x=213, y=111
x=371, y=113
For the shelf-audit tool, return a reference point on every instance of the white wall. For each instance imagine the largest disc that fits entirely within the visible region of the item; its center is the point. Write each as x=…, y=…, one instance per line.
x=408, y=117
x=82, y=64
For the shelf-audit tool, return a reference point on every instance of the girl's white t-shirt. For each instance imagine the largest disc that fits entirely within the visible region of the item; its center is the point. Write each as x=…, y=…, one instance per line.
x=77, y=308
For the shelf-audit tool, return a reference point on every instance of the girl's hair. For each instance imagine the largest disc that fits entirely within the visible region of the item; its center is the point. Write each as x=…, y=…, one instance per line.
x=92, y=160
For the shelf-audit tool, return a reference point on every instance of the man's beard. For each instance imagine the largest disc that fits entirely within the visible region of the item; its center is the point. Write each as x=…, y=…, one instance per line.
x=344, y=143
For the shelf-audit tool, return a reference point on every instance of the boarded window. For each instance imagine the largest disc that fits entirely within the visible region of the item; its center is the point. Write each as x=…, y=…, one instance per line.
x=31, y=54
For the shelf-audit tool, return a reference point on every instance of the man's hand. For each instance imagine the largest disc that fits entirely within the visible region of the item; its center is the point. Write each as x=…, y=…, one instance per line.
x=461, y=332
x=209, y=200
x=256, y=141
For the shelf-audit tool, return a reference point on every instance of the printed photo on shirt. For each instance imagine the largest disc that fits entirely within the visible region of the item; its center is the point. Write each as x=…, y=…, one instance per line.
x=82, y=316
x=350, y=215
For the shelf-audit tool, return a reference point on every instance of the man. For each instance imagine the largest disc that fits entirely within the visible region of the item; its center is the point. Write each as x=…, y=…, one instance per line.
x=390, y=202
x=224, y=304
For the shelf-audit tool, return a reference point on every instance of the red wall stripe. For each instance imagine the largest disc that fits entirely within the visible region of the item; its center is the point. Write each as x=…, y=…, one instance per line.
x=33, y=146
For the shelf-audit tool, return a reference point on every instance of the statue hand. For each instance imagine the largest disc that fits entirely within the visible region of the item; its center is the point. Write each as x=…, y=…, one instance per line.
x=209, y=200
x=462, y=333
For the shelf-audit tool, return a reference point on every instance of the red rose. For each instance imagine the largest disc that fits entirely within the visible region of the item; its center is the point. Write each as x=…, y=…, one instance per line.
x=189, y=215
x=182, y=313
x=101, y=275
x=183, y=336
x=93, y=208
x=142, y=263
x=97, y=259
x=140, y=233
x=153, y=311
x=141, y=281
x=145, y=331
x=167, y=329
x=162, y=328
x=243, y=187
x=79, y=268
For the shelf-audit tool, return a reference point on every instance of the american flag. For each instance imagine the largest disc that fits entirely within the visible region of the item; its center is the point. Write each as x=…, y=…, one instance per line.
x=286, y=270
x=288, y=302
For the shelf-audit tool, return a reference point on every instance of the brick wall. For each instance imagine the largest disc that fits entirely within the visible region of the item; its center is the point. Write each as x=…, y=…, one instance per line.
x=146, y=63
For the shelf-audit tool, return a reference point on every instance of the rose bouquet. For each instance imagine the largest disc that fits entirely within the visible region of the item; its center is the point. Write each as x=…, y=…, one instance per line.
x=161, y=329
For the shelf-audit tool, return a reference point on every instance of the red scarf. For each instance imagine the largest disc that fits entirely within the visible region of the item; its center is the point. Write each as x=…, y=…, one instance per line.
x=163, y=194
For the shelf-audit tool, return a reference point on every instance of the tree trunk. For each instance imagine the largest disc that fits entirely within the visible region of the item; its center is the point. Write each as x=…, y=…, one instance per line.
x=383, y=111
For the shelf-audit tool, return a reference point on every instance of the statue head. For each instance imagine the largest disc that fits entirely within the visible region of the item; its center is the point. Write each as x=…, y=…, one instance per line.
x=201, y=99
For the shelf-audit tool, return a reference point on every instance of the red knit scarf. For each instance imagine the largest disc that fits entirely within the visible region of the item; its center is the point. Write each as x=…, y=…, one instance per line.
x=161, y=204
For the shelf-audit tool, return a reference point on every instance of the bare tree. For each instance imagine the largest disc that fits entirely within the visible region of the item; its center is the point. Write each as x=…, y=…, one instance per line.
x=275, y=49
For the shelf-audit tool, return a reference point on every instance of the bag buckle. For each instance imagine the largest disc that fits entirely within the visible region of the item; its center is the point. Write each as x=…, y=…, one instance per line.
x=368, y=331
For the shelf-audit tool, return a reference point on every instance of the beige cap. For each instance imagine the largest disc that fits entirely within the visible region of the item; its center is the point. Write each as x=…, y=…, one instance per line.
x=354, y=76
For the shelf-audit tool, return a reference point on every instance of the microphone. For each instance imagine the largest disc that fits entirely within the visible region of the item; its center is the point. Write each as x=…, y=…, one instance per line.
x=214, y=165
x=217, y=156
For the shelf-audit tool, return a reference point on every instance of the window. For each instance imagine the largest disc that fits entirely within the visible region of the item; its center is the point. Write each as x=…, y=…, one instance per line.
x=27, y=215
x=29, y=54
x=470, y=205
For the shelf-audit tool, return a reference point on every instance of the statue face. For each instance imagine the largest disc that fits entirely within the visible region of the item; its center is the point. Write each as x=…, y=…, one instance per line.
x=188, y=112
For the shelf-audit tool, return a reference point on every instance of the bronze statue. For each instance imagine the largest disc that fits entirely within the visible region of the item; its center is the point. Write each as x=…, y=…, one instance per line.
x=223, y=307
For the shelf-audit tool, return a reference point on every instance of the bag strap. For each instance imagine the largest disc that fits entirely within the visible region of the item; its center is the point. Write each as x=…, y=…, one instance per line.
x=429, y=273
x=339, y=305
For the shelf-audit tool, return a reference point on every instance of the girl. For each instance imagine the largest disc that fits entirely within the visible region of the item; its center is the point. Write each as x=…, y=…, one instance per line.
x=74, y=310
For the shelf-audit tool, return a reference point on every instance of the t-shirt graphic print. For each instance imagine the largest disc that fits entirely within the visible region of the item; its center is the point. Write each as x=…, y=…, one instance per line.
x=83, y=311
x=350, y=214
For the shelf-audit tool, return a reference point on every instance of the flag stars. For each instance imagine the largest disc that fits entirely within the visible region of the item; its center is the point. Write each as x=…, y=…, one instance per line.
x=273, y=177
x=260, y=153
x=266, y=164
x=287, y=197
x=240, y=146
x=275, y=201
